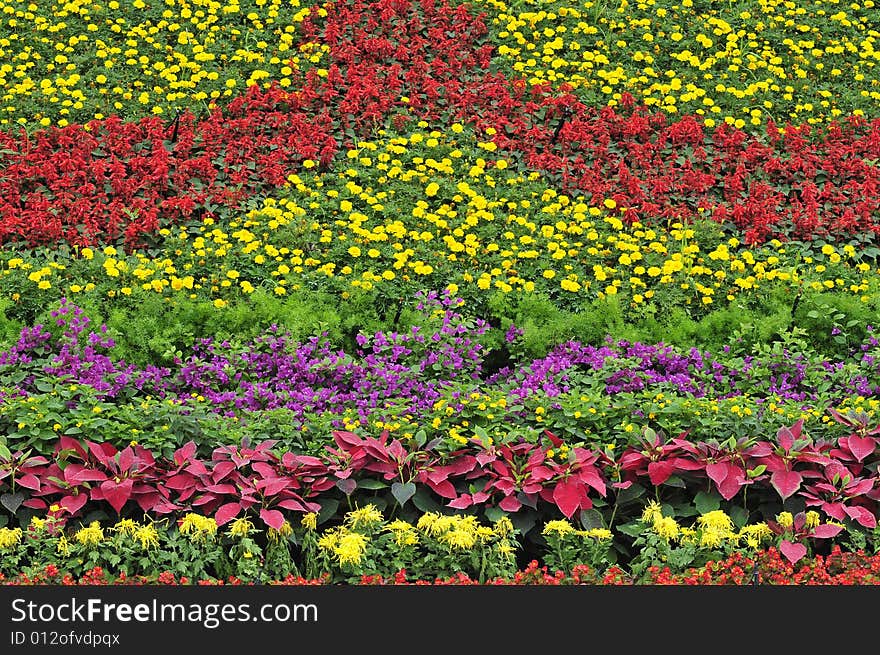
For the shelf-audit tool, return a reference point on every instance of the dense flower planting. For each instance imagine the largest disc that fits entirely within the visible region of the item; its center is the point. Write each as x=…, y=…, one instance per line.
x=428, y=292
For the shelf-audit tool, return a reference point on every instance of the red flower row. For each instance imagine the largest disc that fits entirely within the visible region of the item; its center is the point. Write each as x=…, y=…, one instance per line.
x=110, y=181
x=765, y=567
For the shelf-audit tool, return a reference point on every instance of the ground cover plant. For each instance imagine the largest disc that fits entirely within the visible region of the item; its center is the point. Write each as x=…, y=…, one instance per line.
x=417, y=292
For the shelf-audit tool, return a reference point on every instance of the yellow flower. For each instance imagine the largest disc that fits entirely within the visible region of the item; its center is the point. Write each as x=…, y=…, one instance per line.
x=310, y=521
x=600, y=534
x=432, y=189
x=147, y=536
x=364, y=516
x=785, y=519
x=811, y=520
x=459, y=538
x=404, y=533
x=666, y=527
x=125, y=526
x=503, y=526
x=350, y=548
x=716, y=520
x=559, y=528
x=240, y=528
x=284, y=531
x=652, y=512
x=90, y=536
x=197, y=527
x=9, y=537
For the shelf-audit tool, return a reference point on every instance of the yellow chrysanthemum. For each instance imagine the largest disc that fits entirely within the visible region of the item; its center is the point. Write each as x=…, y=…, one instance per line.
x=785, y=519
x=366, y=516
x=350, y=548
x=459, y=539
x=310, y=521
x=558, y=527
x=90, y=536
x=9, y=537
x=666, y=527
x=652, y=512
x=147, y=536
x=198, y=528
x=125, y=526
x=240, y=528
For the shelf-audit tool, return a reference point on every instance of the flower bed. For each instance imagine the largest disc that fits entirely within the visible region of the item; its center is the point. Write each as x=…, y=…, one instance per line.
x=481, y=293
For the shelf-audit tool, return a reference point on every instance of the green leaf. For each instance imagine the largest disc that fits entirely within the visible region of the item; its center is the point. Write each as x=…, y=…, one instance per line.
x=403, y=491
x=372, y=484
x=328, y=510
x=591, y=519
x=495, y=514
x=739, y=516
x=425, y=502
x=707, y=502
x=633, y=529
x=630, y=493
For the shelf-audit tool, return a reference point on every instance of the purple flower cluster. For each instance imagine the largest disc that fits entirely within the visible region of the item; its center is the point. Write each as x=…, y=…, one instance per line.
x=410, y=370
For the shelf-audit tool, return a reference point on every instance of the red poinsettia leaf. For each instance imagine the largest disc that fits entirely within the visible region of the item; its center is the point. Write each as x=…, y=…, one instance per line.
x=786, y=482
x=793, y=552
x=462, y=502
x=117, y=494
x=659, y=472
x=826, y=531
x=861, y=515
x=225, y=513
x=861, y=447
x=567, y=496
x=272, y=517
x=717, y=472
x=73, y=503
x=510, y=504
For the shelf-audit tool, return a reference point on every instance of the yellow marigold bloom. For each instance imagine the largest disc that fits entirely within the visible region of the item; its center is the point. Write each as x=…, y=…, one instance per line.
x=560, y=528
x=240, y=528
x=459, y=538
x=90, y=536
x=9, y=537
x=811, y=520
x=652, y=512
x=432, y=189
x=310, y=521
x=147, y=536
x=125, y=526
x=785, y=519
x=364, y=516
x=666, y=527
x=350, y=548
